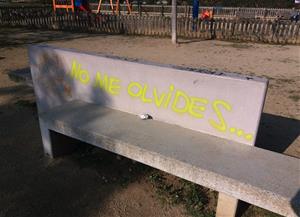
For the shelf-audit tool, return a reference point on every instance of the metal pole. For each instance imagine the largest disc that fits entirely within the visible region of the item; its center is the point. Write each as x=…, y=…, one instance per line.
x=195, y=13
x=139, y=7
x=174, y=22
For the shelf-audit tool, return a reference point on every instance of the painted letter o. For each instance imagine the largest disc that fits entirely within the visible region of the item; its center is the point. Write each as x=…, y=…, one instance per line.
x=131, y=92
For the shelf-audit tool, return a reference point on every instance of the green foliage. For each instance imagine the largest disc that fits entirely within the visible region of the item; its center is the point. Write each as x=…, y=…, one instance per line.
x=26, y=103
x=196, y=199
x=295, y=98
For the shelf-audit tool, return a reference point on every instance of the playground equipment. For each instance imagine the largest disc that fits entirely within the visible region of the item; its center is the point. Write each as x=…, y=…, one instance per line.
x=99, y=6
x=117, y=6
x=64, y=4
x=81, y=5
x=127, y=5
x=206, y=14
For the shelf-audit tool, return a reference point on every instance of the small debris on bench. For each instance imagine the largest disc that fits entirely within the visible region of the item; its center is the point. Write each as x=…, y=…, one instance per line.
x=145, y=116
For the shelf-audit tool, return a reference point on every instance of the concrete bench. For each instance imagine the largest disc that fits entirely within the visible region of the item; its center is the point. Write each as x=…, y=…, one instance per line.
x=203, y=129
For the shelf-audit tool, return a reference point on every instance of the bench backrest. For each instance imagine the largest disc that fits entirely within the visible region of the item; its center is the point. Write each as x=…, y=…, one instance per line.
x=225, y=105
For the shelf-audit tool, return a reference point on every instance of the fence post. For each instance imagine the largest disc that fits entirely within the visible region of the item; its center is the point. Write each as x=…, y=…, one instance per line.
x=139, y=7
x=174, y=22
x=265, y=12
x=162, y=9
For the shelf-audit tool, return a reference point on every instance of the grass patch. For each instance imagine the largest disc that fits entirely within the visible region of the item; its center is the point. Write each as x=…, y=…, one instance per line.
x=197, y=200
x=112, y=169
x=269, y=77
x=241, y=46
x=295, y=98
x=236, y=45
x=288, y=60
x=255, y=211
x=170, y=190
x=285, y=80
x=15, y=78
x=25, y=103
x=20, y=75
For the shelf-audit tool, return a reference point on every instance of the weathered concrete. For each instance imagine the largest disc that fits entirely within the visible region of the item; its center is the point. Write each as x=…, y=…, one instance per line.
x=56, y=145
x=254, y=175
x=225, y=105
x=227, y=206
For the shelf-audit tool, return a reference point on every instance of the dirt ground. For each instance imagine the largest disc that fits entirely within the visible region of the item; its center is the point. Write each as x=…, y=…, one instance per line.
x=97, y=183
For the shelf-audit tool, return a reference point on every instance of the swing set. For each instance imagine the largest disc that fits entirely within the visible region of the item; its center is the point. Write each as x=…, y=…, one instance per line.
x=78, y=4
x=117, y=6
x=64, y=4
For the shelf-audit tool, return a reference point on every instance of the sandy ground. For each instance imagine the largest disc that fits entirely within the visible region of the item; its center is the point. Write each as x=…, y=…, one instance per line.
x=94, y=184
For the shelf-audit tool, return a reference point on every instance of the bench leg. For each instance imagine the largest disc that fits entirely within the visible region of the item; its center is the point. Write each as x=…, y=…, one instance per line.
x=56, y=144
x=229, y=206
x=46, y=139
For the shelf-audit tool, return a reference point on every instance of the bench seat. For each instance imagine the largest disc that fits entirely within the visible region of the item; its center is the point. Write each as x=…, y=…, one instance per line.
x=254, y=175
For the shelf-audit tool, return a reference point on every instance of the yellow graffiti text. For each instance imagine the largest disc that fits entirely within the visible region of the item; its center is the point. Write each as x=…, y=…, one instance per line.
x=179, y=101
x=107, y=83
x=221, y=124
x=79, y=74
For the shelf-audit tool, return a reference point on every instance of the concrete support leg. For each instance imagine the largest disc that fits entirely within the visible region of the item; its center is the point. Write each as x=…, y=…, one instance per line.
x=46, y=139
x=229, y=206
x=56, y=144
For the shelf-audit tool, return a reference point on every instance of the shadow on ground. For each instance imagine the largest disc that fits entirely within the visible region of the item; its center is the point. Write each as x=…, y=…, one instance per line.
x=277, y=133
x=14, y=37
x=32, y=185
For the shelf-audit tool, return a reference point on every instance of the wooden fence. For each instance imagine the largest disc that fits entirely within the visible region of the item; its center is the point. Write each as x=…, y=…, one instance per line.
x=182, y=10
x=219, y=12
x=280, y=32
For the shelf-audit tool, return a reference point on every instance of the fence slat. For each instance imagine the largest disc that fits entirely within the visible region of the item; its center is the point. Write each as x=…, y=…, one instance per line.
x=282, y=32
